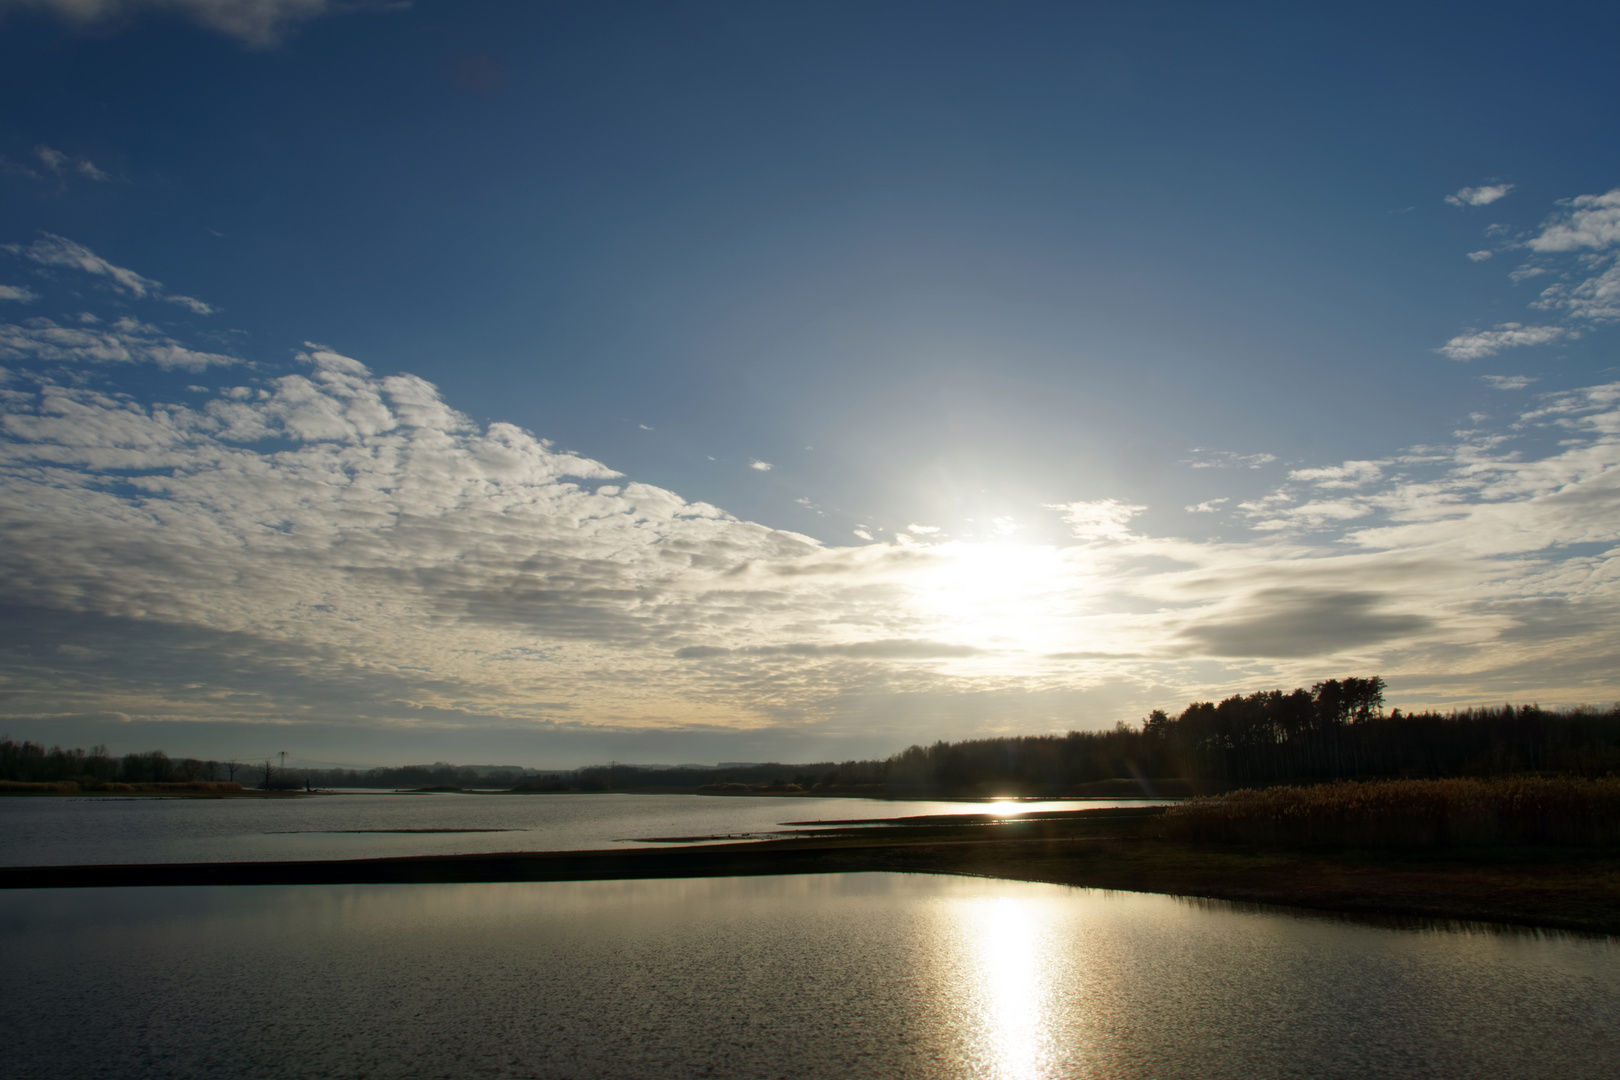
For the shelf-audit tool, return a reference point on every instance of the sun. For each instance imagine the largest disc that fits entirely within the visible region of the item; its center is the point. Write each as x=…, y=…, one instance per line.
x=1008, y=597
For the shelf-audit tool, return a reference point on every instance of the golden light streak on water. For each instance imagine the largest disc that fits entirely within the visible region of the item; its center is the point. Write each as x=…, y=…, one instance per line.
x=1007, y=982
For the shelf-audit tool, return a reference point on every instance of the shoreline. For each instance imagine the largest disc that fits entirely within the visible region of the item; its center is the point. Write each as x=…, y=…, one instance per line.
x=1553, y=889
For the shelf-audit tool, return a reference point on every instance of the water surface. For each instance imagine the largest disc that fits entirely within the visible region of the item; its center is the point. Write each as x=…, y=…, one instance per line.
x=52, y=831
x=804, y=976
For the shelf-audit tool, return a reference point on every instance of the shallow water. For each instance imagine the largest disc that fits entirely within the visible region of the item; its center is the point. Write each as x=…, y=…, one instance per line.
x=805, y=976
x=50, y=831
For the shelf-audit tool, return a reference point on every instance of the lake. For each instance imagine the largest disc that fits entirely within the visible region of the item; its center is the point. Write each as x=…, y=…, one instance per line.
x=57, y=830
x=885, y=975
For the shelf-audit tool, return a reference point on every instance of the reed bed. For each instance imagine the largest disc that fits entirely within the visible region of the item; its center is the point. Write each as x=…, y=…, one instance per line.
x=1500, y=812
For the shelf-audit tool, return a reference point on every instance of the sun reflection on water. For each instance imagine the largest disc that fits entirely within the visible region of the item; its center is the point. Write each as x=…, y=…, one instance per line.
x=1005, y=988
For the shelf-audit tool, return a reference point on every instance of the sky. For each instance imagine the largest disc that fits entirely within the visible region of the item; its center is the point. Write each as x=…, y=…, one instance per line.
x=559, y=383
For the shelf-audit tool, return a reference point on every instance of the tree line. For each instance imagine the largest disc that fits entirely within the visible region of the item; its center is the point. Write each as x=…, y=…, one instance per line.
x=1336, y=730
x=439, y=774
x=31, y=762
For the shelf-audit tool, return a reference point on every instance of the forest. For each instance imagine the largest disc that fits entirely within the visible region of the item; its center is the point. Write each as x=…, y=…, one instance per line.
x=1336, y=730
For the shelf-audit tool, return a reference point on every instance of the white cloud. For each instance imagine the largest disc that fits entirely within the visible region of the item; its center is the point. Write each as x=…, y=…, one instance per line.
x=1526, y=272
x=1507, y=382
x=58, y=163
x=862, y=533
x=1479, y=256
x=125, y=341
x=1478, y=343
x=922, y=530
x=59, y=252
x=192, y=304
x=1208, y=506
x=1100, y=519
x=18, y=294
x=1593, y=221
x=259, y=23
x=1350, y=474
x=1483, y=195
x=53, y=250
x=1597, y=298
x=761, y=466
x=1226, y=459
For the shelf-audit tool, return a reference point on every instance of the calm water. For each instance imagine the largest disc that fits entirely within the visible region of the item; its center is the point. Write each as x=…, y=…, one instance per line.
x=38, y=831
x=880, y=975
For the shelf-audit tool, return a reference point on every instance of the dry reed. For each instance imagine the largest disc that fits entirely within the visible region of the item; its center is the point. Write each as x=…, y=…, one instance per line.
x=1505, y=812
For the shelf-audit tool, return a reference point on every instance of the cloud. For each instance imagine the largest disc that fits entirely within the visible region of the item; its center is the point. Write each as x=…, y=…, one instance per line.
x=1511, y=335
x=1101, y=519
x=1592, y=221
x=59, y=163
x=1507, y=382
x=318, y=545
x=870, y=650
x=18, y=294
x=761, y=466
x=1587, y=227
x=126, y=341
x=1480, y=256
x=53, y=250
x=59, y=252
x=922, y=530
x=257, y=23
x=1208, y=506
x=1348, y=475
x=13, y=168
x=1483, y=195
x=192, y=304
x=1227, y=459
x=1305, y=622
x=1597, y=298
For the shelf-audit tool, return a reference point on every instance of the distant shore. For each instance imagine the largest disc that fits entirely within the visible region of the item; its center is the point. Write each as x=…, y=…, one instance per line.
x=1552, y=888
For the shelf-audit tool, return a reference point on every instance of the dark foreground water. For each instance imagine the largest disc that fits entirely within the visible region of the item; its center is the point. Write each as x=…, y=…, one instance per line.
x=860, y=975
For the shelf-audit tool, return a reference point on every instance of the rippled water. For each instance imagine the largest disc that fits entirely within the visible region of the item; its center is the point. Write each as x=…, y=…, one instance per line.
x=46, y=831
x=809, y=976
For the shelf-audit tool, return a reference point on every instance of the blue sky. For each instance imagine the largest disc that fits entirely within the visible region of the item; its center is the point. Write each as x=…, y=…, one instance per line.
x=394, y=381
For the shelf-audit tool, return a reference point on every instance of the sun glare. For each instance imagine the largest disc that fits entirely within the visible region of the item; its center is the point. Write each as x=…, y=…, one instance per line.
x=1006, y=596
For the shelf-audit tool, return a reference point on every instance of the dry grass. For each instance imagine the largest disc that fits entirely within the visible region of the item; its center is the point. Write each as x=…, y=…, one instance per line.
x=1508, y=812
